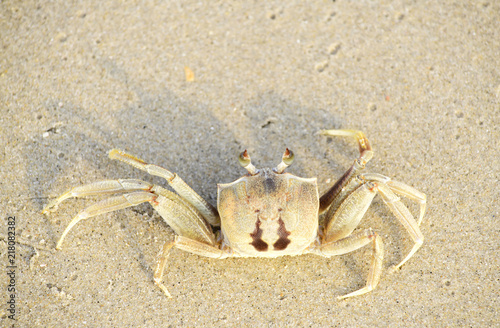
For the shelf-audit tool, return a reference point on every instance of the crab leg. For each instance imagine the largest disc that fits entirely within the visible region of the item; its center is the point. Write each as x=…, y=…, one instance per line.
x=404, y=216
x=188, y=245
x=99, y=188
x=186, y=192
x=161, y=262
x=194, y=234
x=352, y=243
x=401, y=189
x=341, y=220
x=388, y=190
x=411, y=193
x=108, y=205
x=181, y=216
x=337, y=192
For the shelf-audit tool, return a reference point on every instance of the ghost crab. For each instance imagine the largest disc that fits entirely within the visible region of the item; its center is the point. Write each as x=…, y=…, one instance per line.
x=266, y=213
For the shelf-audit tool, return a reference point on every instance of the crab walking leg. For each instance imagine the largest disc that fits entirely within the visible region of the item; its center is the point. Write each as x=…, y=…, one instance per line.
x=342, y=221
x=352, y=243
x=411, y=193
x=188, y=245
x=99, y=188
x=108, y=205
x=337, y=192
x=401, y=189
x=404, y=216
x=186, y=192
x=182, y=217
x=161, y=262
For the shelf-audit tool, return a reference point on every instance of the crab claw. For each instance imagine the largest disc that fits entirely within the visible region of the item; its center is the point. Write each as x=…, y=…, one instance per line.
x=287, y=160
x=246, y=162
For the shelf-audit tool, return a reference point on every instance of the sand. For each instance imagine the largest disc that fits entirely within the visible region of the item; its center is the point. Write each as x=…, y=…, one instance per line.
x=421, y=79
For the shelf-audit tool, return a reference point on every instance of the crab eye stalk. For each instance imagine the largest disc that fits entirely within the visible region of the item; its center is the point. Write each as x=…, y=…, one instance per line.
x=246, y=162
x=287, y=160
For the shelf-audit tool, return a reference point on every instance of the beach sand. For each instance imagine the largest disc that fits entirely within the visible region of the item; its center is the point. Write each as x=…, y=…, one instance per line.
x=421, y=79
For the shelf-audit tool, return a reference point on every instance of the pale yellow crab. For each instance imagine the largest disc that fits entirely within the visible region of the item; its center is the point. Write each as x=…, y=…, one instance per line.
x=266, y=213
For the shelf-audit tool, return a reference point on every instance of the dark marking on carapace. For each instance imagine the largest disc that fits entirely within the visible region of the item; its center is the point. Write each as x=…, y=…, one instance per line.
x=258, y=243
x=269, y=185
x=283, y=241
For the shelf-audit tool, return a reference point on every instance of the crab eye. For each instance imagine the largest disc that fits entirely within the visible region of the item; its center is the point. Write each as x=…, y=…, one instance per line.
x=288, y=157
x=246, y=162
x=286, y=161
x=244, y=158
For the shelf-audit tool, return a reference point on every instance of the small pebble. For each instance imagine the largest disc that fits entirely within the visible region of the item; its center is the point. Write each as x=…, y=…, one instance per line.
x=320, y=67
x=334, y=48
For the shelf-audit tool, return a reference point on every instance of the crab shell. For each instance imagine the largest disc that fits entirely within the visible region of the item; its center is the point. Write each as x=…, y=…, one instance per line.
x=269, y=214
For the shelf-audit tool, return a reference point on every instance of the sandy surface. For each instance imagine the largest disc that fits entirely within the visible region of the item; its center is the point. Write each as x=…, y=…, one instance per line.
x=421, y=79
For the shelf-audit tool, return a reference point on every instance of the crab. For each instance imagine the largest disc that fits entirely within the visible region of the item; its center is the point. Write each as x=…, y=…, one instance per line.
x=265, y=213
